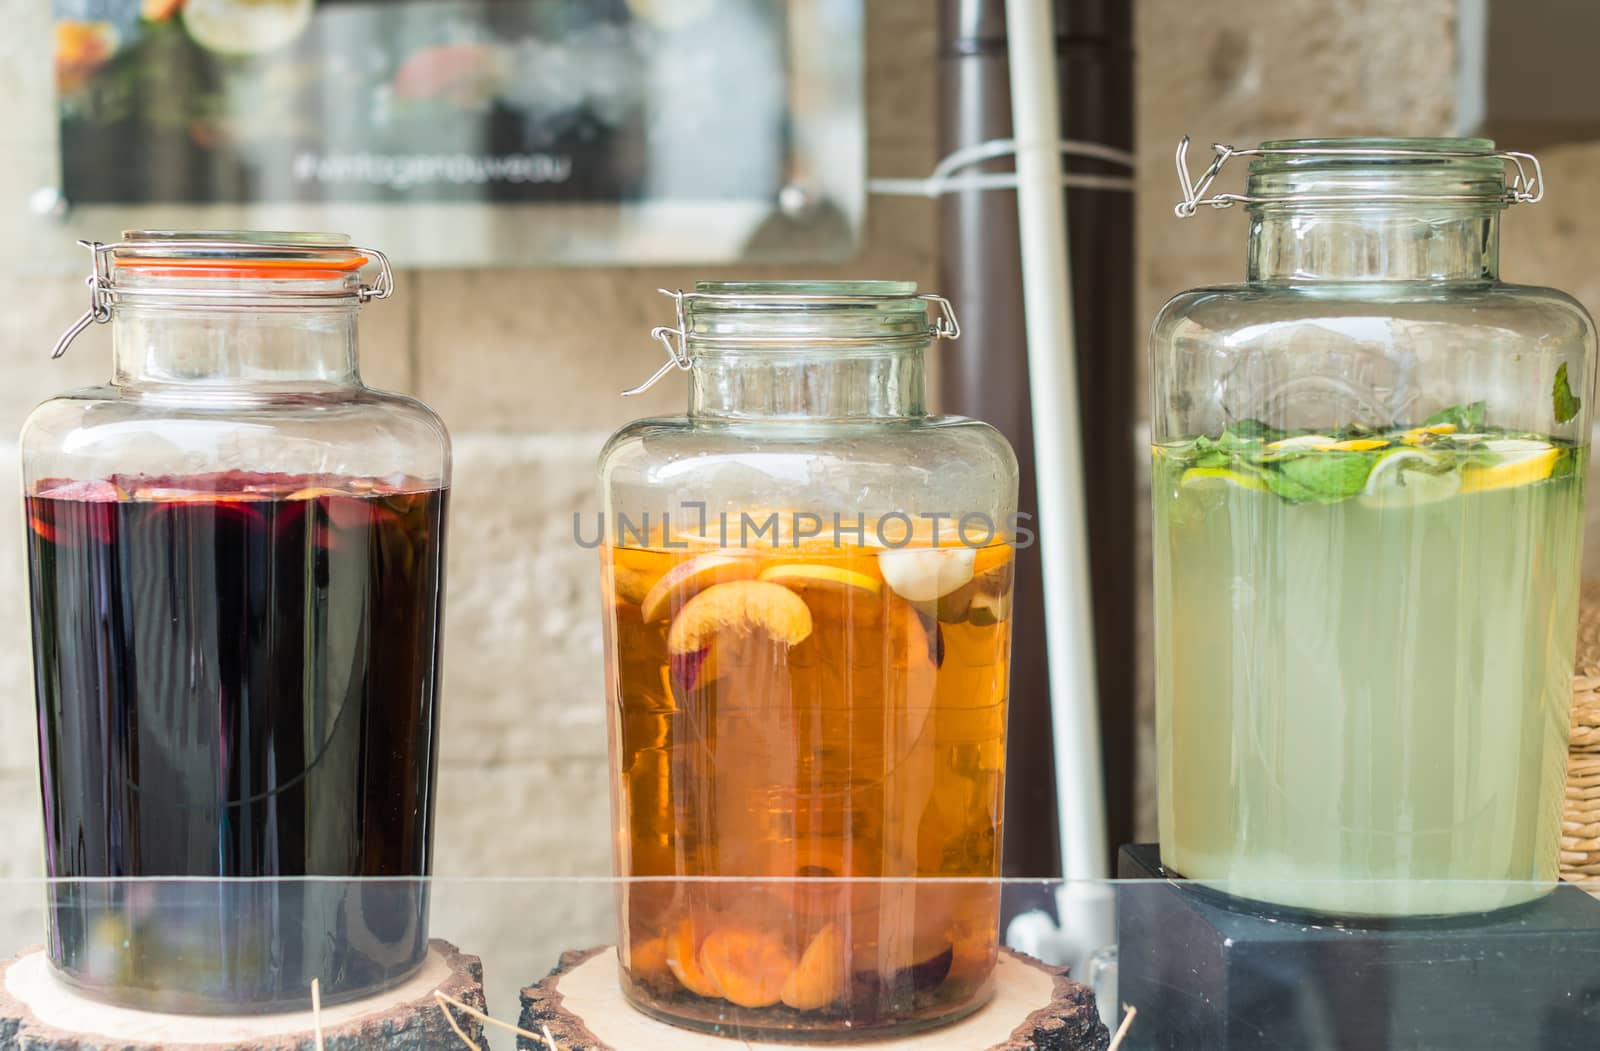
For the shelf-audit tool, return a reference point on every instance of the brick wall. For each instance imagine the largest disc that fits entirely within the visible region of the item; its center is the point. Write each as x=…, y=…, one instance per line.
x=525, y=366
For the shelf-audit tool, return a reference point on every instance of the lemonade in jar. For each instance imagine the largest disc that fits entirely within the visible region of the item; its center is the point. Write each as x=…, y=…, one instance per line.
x=1368, y=483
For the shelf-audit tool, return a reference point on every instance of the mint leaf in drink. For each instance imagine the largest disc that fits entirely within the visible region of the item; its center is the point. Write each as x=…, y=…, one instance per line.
x=1326, y=478
x=1565, y=403
x=1192, y=451
x=1466, y=418
x=1287, y=488
x=1251, y=430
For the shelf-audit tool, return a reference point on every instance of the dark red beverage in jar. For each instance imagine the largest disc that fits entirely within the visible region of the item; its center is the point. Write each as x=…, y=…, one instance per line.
x=236, y=676
x=237, y=668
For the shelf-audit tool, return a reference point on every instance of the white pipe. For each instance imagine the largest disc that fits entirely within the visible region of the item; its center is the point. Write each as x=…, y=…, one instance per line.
x=1047, y=300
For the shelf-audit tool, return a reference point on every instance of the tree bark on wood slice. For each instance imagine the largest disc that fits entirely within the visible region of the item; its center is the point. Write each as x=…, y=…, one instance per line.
x=1035, y=1007
x=38, y=1012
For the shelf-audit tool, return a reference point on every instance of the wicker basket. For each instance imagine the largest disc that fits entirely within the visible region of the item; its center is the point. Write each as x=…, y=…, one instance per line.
x=1580, y=822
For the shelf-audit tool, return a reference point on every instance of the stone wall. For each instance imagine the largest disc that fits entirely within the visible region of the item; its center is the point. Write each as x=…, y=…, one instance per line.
x=526, y=366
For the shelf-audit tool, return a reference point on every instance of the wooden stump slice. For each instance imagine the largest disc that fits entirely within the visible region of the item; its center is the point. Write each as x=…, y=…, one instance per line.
x=1035, y=1007
x=38, y=1012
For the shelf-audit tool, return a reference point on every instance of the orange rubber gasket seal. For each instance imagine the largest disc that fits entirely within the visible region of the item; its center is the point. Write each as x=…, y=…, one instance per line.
x=281, y=269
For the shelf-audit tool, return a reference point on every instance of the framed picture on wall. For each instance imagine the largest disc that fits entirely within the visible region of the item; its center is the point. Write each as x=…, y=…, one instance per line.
x=467, y=132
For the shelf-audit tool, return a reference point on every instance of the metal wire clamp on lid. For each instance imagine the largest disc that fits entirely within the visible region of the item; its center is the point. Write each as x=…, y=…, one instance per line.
x=1524, y=188
x=675, y=339
x=103, y=290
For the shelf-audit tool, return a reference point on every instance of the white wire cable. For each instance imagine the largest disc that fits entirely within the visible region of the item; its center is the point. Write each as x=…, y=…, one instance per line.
x=945, y=180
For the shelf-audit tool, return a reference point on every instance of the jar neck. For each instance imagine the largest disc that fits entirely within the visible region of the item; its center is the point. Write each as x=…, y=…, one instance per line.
x=1418, y=210
x=812, y=385
x=1290, y=245
x=263, y=350
x=1303, y=244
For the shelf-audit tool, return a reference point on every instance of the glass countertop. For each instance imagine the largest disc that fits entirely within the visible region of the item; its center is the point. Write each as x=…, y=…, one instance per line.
x=1166, y=960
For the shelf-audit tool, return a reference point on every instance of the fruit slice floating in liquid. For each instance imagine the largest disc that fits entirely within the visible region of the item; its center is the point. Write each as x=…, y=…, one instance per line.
x=800, y=576
x=1409, y=477
x=1421, y=435
x=634, y=571
x=234, y=506
x=830, y=591
x=1303, y=441
x=1355, y=445
x=689, y=670
x=740, y=608
x=748, y=967
x=924, y=574
x=988, y=559
x=245, y=27
x=630, y=583
x=87, y=508
x=687, y=579
x=1520, y=461
x=819, y=978
x=683, y=959
x=1210, y=478
x=345, y=511
x=97, y=492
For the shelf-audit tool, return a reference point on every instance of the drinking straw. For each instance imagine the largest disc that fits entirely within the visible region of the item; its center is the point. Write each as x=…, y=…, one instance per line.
x=1069, y=623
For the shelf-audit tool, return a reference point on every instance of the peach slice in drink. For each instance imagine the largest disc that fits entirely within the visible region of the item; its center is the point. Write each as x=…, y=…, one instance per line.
x=819, y=978
x=647, y=962
x=739, y=609
x=634, y=571
x=749, y=967
x=683, y=959
x=687, y=579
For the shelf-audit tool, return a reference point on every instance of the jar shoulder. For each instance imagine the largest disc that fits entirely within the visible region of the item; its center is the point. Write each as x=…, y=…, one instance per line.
x=360, y=432
x=1253, y=312
x=1336, y=356
x=911, y=465
x=912, y=440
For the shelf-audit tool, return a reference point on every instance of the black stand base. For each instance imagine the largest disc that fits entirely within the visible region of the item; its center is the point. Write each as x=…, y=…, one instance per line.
x=1208, y=971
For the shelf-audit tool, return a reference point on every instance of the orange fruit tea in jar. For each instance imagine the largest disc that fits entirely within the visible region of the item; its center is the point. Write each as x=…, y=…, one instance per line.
x=824, y=721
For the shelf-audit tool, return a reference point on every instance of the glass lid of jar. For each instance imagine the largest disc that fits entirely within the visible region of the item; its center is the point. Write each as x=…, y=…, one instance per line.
x=241, y=254
x=1361, y=171
x=802, y=314
x=226, y=265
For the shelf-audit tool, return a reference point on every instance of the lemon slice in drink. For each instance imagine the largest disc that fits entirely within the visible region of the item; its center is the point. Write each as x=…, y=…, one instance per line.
x=1521, y=461
x=1211, y=478
x=1302, y=441
x=245, y=27
x=1409, y=477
